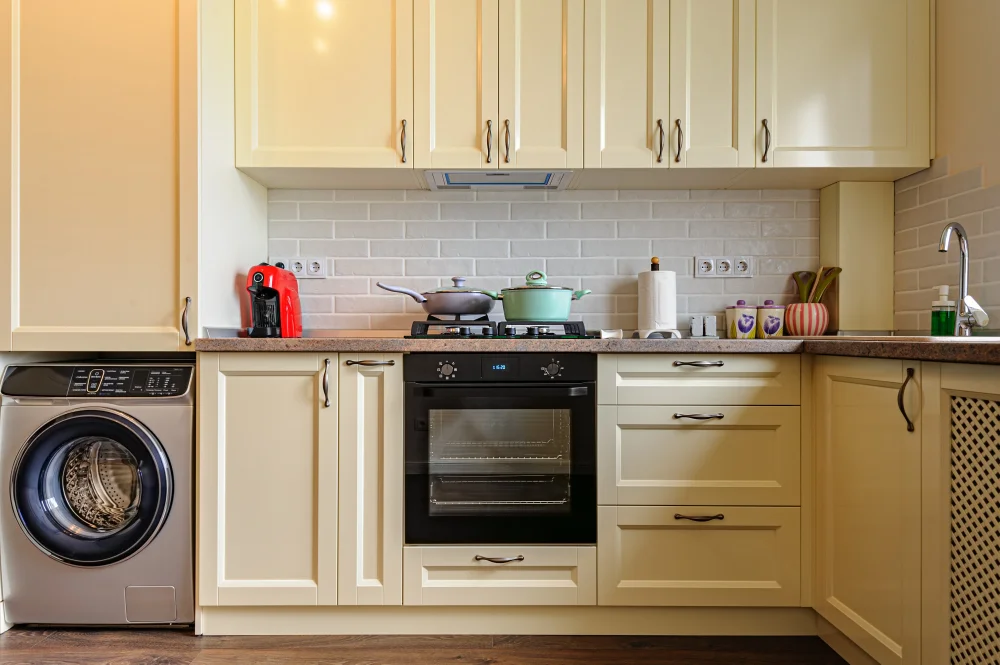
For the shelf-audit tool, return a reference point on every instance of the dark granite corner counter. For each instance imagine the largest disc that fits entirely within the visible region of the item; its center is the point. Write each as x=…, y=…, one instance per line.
x=981, y=351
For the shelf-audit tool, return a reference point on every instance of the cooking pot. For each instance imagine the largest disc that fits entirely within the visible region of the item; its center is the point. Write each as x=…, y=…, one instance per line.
x=454, y=300
x=538, y=301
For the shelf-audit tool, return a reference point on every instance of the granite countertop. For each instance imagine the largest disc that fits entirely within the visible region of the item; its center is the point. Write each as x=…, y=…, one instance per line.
x=981, y=351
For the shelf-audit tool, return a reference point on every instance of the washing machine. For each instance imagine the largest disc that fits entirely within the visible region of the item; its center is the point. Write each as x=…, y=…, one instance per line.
x=97, y=484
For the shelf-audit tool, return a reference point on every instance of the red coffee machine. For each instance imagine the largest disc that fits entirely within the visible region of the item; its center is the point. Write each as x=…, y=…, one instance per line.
x=274, y=302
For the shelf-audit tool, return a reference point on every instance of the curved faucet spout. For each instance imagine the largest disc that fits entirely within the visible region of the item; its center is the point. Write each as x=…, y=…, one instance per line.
x=963, y=275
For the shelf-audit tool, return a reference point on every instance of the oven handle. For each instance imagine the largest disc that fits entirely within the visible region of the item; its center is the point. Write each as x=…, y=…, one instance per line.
x=532, y=390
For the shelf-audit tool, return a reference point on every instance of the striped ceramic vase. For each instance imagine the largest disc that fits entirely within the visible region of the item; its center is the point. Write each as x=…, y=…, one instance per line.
x=807, y=319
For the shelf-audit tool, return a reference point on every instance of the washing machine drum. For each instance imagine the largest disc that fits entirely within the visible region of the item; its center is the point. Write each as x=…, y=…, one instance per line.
x=91, y=487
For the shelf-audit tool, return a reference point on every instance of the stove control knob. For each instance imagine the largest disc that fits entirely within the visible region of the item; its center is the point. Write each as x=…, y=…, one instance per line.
x=446, y=370
x=531, y=331
x=465, y=331
x=510, y=332
x=552, y=370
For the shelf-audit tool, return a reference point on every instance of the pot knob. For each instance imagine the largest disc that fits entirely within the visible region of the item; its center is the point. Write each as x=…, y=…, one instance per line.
x=553, y=369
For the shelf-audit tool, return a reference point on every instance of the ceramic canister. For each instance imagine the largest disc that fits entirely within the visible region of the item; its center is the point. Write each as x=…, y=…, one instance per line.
x=770, y=320
x=741, y=321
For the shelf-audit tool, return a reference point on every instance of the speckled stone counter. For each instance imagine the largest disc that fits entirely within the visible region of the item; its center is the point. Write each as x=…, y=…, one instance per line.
x=929, y=349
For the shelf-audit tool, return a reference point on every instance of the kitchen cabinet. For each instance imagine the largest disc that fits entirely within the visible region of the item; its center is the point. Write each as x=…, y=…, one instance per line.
x=868, y=488
x=371, y=479
x=843, y=84
x=325, y=84
x=267, y=479
x=100, y=154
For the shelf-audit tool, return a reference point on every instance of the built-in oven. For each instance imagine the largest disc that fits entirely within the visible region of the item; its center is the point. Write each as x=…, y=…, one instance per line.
x=500, y=448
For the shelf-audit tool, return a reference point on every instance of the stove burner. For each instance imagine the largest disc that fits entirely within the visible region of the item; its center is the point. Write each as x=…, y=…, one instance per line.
x=484, y=328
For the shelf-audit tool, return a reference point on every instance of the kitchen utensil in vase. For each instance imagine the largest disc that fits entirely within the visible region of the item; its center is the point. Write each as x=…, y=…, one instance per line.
x=453, y=300
x=807, y=319
x=537, y=300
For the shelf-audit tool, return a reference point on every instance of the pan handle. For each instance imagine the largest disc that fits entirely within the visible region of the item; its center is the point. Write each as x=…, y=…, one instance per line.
x=402, y=289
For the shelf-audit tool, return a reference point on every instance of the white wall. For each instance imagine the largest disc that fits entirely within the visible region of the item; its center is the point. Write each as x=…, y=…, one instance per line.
x=597, y=240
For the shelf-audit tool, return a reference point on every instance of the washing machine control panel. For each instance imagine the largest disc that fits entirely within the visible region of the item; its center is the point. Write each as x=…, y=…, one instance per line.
x=129, y=381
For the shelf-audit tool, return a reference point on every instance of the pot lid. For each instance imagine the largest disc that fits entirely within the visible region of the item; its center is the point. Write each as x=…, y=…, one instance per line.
x=459, y=287
x=741, y=304
x=769, y=304
x=537, y=280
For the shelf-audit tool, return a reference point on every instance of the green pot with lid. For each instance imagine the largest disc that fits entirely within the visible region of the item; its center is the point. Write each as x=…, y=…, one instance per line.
x=538, y=301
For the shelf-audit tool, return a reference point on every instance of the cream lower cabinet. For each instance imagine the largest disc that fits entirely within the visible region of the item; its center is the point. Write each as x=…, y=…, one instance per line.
x=868, y=489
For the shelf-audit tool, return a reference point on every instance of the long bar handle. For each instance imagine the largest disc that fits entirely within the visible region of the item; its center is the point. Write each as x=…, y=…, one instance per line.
x=500, y=559
x=899, y=399
x=700, y=416
x=184, y=321
x=699, y=363
x=699, y=518
x=767, y=139
x=659, y=153
x=506, y=141
x=680, y=140
x=371, y=363
x=326, y=383
x=489, y=141
x=402, y=140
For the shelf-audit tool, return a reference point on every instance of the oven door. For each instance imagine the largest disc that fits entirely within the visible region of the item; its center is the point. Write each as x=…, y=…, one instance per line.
x=510, y=463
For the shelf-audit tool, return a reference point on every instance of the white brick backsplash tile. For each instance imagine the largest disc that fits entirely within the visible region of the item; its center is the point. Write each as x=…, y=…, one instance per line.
x=931, y=234
x=611, y=321
x=418, y=284
x=392, y=321
x=337, y=321
x=337, y=248
x=626, y=304
x=906, y=321
x=761, y=247
x=682, y=247
x=654, y=195
x=923, y=257
x=333, y=211
x=762, y=284
x=475, y=248
x=729, y=229
x=584, y=195
x=526, y=195
x=594, y=303
x=616, y=210
x=366, y=267
x=368, y=229
x=282, y=247
x=907, y=280
x=299, y=195
x=789, y=195
x=951, y=185
x=991, y=270
x=282, y=211
x=688, y=210
x=681, y=266
x=938, y=169
x=316, y=304
x=370, y=195
x=389, y=302
x=692, y=286
x=906, y=200
x=508, y=267
x=300, y=229
x=915, y=301
x=656, y=229
x=807, y=209
x=789, y=229
x=404, y=248
x=921, y=216
x=612, y=285
x=334, y=285
x=807, y=247
x=545, y=211
x=616, y=248
x=725, y=195
x=710, y=304
x=975, y=201
x=510, y=230
x=785, y=265
x=764, y=210
x=439, y=266
x=545, y=248
x=991, y=221
x=409, y=210
x=446, y=195
x=580, y=229
x=475, y=211
x=579, y=267
x=932, y=277
x=440, y=229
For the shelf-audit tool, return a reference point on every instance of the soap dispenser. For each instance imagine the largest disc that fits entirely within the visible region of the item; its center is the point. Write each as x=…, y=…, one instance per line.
x=943, y=314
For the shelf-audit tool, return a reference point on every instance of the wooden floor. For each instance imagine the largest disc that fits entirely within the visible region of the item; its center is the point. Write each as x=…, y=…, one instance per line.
x=162, y=647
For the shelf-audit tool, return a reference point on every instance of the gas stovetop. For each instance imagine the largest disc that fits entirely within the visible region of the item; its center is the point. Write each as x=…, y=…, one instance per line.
x=486, y=329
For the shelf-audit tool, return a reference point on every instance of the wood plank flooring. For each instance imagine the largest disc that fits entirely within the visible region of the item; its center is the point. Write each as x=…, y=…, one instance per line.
x=174, y=647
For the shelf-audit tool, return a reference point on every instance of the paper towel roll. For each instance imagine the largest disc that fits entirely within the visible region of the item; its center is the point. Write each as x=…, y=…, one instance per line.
x=657, y=301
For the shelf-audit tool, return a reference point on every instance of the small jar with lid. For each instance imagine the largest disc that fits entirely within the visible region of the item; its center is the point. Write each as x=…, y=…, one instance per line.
x=741, y=320
x=770, y=320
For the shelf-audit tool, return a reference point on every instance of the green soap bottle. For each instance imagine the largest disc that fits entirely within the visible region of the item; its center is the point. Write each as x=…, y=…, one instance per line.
x=943, y=314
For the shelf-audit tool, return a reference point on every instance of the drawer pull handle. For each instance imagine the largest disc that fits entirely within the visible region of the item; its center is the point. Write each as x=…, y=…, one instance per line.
x=899, y=400
x=699, y=363
x=700, y=416
x=326, y=383
x=371, y=363
x=500, y=559
x=699, y=518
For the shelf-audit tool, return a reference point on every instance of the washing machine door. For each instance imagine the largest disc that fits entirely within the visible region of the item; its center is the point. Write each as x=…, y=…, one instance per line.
x=91, y=487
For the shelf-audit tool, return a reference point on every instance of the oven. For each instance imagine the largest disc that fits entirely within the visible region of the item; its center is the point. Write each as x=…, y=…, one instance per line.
x=500, y=448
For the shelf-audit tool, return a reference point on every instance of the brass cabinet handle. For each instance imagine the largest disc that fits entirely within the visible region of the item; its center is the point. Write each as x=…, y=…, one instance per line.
x=489, y=141
x=500, y=559
x=767, y=139
x=699, y=518
x=506, y=141
x=899, y=399
x=402, y=141
x=699, y=416
x=184, y=321
x=699, y=363
x=371, y=363
x=326, y=383
x=659, y=153
x=680, y=140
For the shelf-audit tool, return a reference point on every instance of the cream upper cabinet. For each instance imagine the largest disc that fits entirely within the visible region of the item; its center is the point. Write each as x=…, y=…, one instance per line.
x=844, y=83
x=100, y=155
x=541, y=83
x=455, y=86
x=627, y=84
x=371, y=479
x=868, y=488
x=712, y=73
x=324, y=84
x=267, y=481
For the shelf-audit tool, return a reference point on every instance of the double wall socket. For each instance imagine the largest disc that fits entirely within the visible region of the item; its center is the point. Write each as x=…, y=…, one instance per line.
x=303, y=267
x=723, y=266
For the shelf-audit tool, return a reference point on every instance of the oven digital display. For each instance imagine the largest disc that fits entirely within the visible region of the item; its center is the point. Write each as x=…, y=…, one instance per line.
x=497, y=367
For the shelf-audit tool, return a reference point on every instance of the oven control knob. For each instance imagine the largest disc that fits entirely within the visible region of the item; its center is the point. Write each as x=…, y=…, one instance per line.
x=552, y=369
x=446, y=370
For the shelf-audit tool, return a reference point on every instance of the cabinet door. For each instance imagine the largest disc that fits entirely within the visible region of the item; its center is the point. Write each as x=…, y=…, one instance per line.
x=712, y=83
x=455, y=70
x=324, y=84
x=267, y=462
x=843, y=83
x=868, y=505
x=371, y=479
x=101, y=156
x=626, y=91
x=541, y=84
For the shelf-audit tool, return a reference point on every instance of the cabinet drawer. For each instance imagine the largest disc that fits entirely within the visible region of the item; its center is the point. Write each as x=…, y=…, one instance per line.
x=737, y=379
x=651, y=556
x=653, y=456
x=453, y=576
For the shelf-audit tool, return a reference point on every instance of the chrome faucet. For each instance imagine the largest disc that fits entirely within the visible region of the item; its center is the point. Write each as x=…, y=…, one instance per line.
x=970, y=314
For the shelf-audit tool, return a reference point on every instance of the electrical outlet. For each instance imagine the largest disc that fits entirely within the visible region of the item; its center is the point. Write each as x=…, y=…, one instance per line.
x=704, y=266
x=278, y=261
x=743, y=266
x=297, y=265
x=316, y=266
x=724, y=267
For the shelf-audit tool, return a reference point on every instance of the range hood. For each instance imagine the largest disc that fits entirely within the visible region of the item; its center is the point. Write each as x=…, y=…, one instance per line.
x=543, y=180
